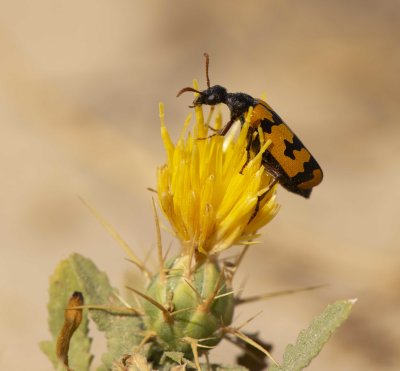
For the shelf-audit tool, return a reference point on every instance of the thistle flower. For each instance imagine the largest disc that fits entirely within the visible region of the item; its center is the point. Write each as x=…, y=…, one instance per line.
x=214, y=194
x=209, y=192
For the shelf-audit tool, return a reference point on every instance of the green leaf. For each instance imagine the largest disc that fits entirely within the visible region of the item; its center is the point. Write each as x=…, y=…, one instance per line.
x=62, y=284
x=311, y=340
x=122, y=332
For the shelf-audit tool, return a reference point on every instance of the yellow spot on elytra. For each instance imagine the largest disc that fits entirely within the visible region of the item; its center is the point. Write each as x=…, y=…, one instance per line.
x=280, y=133
x=316, y=179
x=260, y=112
x=292, y=167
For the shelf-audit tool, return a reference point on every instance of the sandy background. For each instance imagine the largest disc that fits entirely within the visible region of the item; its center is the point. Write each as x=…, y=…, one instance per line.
x=79, y=87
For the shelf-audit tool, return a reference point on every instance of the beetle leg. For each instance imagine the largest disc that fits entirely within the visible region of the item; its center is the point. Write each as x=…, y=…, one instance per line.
x=222, y=131
x=248, y=147
x=271, y=170
x=259, y=198
x=227, y=126
x=211, y=128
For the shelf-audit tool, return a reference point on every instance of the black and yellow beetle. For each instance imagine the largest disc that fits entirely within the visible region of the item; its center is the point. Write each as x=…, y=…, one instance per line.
x=287, y=159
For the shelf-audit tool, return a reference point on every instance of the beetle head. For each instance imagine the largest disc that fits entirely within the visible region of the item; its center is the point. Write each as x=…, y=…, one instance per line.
x=212, y=95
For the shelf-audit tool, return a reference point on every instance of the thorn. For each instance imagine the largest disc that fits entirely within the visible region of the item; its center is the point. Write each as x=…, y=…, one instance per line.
x=182, y=310
x=242, y=286
x=251, y=299
x=207, y=361
x=147, y=336
x=159, y=243
x=199, y=298
x=149, y=253
x=194, y=345
x=245, y=323
x=239, y=260
x=189, y=271
x=225, y=294
x=168, y=251
x=167, y=315
x=251, y=342
x=205, y=306
x=205, y=346
x=243, y=348
x=110, y=229
x=122, y=300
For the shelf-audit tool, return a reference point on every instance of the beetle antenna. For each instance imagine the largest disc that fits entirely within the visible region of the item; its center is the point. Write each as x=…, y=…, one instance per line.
x=188, y=89
x=207, y=64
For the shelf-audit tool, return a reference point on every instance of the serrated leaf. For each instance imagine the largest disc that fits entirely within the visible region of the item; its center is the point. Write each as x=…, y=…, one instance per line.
x=62, y=284
x=122, y=331
x=311, y=340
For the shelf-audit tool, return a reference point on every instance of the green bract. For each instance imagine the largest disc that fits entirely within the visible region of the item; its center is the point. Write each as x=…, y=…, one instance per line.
x=199, y=301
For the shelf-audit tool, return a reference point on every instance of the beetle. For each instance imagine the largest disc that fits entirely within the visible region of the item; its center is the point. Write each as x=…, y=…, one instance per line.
x=286, y=159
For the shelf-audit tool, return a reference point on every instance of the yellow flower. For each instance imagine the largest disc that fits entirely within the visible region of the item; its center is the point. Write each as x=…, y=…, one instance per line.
x=207, y=193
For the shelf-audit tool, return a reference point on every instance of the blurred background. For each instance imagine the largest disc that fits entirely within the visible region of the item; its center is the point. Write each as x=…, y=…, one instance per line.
x=80, y=84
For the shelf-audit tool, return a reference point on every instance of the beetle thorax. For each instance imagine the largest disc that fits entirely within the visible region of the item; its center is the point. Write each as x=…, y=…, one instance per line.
x=239, y=104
